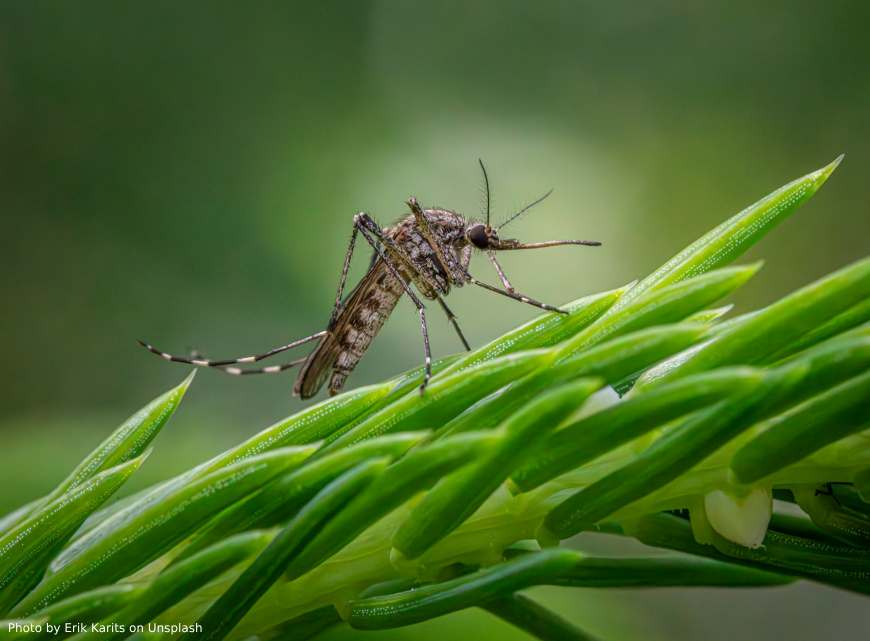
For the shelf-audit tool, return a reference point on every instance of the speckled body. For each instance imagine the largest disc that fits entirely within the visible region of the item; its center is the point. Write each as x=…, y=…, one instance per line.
x=433, y=270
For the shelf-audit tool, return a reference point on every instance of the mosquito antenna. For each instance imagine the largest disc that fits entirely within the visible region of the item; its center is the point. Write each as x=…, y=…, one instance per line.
x=524, y=209
x=486, y=185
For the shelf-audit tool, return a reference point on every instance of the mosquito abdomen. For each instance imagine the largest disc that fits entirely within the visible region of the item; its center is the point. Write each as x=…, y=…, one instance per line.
x=363, y=314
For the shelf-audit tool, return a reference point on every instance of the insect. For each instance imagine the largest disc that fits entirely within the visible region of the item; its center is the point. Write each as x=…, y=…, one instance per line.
x=428, y=250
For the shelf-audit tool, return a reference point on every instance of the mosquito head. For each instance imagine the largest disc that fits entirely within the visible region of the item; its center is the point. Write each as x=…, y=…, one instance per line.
x=485, y=237
x=482, y=236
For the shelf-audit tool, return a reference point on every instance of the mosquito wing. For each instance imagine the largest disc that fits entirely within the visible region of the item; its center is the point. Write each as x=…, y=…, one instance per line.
x=317, y=367
x=362, y=315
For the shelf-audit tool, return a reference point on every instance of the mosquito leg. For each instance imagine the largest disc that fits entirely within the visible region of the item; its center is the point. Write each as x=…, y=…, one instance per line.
x=517, y=296
x=336, y=310
x=202, y=362
x=272, y=369
x=501, y=274
x=367, y=226
x=452, y=318
x=427, y=351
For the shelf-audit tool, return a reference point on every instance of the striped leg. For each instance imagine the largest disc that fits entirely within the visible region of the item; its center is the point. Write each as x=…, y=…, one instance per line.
x=226, y=365
x=369, y=227
x=500, y=271
x=271, y=369
x=336, y=310
x=516, y=296
x=452, y=318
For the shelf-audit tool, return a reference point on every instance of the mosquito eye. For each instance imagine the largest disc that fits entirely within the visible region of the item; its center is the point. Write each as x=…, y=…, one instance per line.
x=477, y=236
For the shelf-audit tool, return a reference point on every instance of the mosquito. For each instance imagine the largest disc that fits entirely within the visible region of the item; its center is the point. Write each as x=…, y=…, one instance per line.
x=428, y=250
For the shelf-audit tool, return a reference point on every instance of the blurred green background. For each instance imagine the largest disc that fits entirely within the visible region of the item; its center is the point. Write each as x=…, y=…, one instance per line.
x=187, y=173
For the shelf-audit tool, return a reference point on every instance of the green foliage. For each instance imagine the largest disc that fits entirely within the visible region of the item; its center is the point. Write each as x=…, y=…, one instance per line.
x=383, y=507
x=458, y=496
x=178, y=581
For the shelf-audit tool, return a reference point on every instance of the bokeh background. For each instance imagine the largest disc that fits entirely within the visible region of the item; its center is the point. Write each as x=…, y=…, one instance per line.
x=187, y=173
